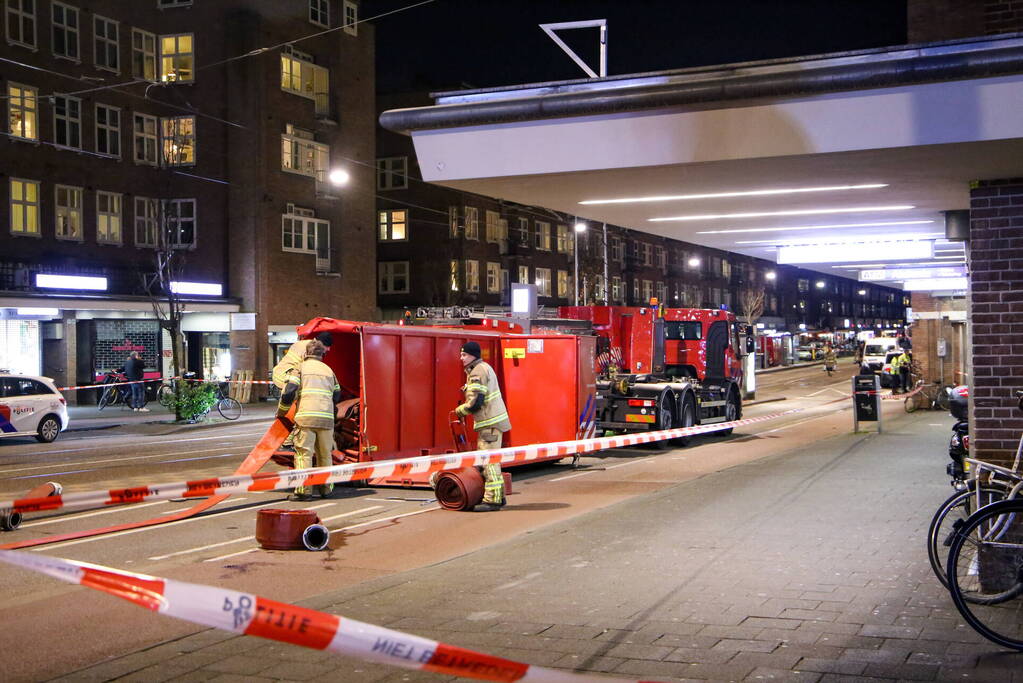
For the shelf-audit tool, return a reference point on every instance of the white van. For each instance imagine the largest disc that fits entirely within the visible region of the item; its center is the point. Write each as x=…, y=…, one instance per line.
x=876, y=350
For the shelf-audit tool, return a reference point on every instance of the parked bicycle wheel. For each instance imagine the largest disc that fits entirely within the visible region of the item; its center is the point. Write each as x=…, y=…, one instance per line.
x=985, y=572
x=108, y=396
x=943, y=400
x=950, y=516
x=165, y=396
x=229, y=408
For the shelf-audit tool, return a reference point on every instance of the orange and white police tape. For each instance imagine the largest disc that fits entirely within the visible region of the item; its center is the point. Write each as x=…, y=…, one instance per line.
x=271, y=481
x=104, y=385
x=253, y=615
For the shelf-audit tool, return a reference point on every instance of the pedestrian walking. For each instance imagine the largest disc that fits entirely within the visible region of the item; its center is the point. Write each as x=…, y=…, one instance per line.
x=290, y=363
x=317, y=393
x=490, y=418
x=134, y=371
x=830, y=360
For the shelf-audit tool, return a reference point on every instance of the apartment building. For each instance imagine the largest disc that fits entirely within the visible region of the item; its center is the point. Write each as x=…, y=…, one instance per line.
x=210, y=130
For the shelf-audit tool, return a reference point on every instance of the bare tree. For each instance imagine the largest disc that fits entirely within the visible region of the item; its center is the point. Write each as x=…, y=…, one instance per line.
x=167, y=231
x=752, y=302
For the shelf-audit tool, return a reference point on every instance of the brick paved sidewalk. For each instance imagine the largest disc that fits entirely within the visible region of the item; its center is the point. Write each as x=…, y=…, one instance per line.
x=809, y=566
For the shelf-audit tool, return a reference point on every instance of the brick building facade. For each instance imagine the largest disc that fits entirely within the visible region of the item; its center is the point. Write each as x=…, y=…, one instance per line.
x=126, y=123
x=995, y=257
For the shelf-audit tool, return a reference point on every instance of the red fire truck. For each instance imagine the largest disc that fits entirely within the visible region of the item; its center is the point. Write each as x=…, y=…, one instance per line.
x=662, y=368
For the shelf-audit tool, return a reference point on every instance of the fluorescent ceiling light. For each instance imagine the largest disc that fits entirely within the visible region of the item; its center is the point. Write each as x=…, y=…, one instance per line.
x=38, y=311
x=889, y=274
x=933, y=284
x=743, y=193
x=862, y=251
x=197, y=288
x=845, y=240
x=882, y=224
x=70, y=282
x=909, y=264
x=960, y=257
x=794, y=212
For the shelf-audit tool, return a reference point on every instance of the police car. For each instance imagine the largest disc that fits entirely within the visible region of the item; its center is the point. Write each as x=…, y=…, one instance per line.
x=31, y=406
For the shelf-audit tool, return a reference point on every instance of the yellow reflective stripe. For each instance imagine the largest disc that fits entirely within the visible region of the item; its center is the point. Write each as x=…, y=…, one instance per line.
x=490, y=421
x=294, y=379
x=492, y=395
x=313, y=413
x=325, y=392
x=475, y=387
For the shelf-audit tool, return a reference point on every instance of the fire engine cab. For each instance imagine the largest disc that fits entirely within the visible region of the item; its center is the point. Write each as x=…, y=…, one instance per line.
x=662, y=368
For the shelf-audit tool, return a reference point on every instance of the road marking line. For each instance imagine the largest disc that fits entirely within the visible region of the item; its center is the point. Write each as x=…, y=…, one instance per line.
x=385, y=519
x=200, y=548
x=624, y=464
x=349, y=514
x=524, y=579
x=572, y=476
x=71, y=518
x=128, y=459
x=116, y=534
x=224, y=557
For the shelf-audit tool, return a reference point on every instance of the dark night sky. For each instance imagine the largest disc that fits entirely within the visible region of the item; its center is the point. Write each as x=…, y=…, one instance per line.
x=482, y=43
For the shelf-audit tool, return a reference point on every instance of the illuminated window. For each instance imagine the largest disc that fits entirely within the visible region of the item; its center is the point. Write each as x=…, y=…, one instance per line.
x=147, y=217
x=543, y=237
x=472, y=276
x=392, y=173
x=65, y=30
x=178, y=136
x=543, y=281
x=22, y=111
x=108, y=218
x=301, y=77
x=563, y=284
x=301, y=154
x=393, y=225
x=177, y=61
x=319, y=12
x=68, y=201
x=492, y=226
x=108, y=130
x=564, y=241
x=524, y=234
x=180, y=225
x=524, y=275
x=493, y=277
x=105, y=37
x=67, y=121
x=146, y=139
x=472, y=224
x=21, y=22
x=454, y=276
x=393, y=277
x=452, y=221
x=351, y=11
x=24, y=207
x=143, y=54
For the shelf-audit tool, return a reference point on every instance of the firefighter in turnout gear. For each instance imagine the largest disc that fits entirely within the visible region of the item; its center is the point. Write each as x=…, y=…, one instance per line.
x=318, y=393
x=490, y=417
x=289, y=364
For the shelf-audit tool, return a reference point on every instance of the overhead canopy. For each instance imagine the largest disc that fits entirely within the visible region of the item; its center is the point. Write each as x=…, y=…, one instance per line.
x=875, y=144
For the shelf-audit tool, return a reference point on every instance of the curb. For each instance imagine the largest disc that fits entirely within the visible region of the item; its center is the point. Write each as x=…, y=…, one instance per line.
x=149, y=428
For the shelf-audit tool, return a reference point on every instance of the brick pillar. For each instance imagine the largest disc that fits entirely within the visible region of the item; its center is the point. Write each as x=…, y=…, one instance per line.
x=938, y=318
x=995, y=258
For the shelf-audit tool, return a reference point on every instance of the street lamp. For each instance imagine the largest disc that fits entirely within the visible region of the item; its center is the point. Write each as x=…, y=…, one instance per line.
x=579, y=227
x=338, y=176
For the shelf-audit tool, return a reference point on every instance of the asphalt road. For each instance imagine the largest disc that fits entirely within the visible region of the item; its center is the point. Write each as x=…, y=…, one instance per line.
x=375, y=531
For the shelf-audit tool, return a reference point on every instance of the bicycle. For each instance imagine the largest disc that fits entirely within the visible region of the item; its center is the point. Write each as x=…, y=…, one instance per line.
x=229, y=408
x=112, y=395
x=999, y=483
x=935, y=397
x=985, y=566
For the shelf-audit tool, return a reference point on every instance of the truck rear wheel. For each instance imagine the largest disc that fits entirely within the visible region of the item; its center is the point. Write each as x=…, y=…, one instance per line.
x=687, y=418
x=665, y=418
x=731, y=413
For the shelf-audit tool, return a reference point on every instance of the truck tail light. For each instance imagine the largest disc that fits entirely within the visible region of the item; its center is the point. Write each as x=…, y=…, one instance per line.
x=63, y=401
x=639, y=402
